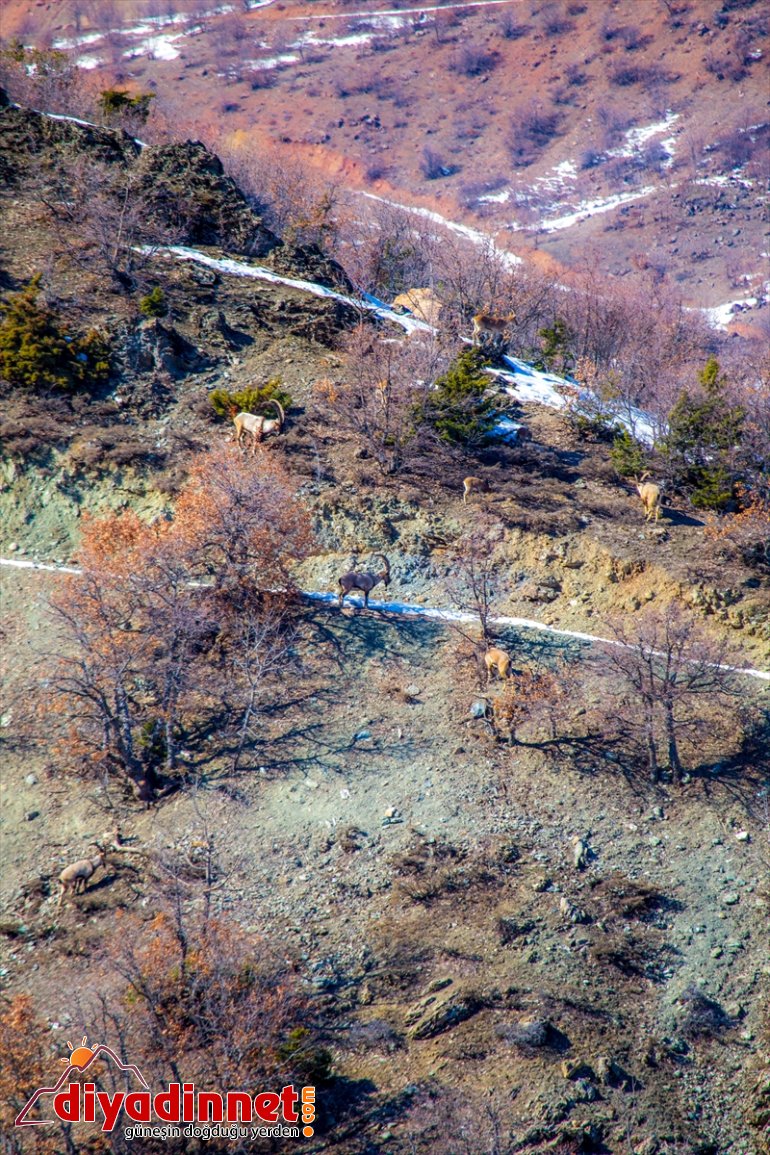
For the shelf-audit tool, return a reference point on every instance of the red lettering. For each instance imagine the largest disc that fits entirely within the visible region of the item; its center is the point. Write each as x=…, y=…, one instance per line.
x=239, y=1107
x=167, y=1104
x=66, y=1104
x=110, y=1105
x=266, y=1106
x=289, y=1100
x=188, y=1102
x=138, y=1106
x=211, y=1103
x=89, y=1103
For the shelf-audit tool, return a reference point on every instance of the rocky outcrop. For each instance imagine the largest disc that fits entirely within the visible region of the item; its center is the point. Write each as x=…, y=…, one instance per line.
x=188, y=192
x=25, y=133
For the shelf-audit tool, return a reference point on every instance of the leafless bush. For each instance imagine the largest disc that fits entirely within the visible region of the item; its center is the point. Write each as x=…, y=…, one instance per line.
x=575, y=75
x=534, y=128
x=737, y=147
x=259, y=78
x=433, y=165
x=472, y=61
x=624, y=75
x=632, y=38
x=511, y=28
x=591, y=158
x=702, y=1017
x=555, y=21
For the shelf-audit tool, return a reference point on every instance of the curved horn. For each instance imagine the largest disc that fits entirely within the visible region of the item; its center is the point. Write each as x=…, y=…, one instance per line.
x=279, y=407
x=385, y=560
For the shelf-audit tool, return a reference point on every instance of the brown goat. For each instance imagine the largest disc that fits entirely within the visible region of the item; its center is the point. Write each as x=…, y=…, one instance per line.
x=495, y=659
x=74, y=877
x=364, y=581
x=486, y=325
x=650, y=495
x=474, y=485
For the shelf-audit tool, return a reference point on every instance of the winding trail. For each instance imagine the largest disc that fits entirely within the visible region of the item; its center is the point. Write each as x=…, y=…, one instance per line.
x=406, y=610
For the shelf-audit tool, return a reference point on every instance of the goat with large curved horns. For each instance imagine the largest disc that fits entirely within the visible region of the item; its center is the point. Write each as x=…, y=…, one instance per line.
x=257, y=426
x=364, y=581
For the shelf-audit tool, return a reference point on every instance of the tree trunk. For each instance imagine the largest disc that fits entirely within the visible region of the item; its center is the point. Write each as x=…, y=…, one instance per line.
x=673, y=750
x=652, y=753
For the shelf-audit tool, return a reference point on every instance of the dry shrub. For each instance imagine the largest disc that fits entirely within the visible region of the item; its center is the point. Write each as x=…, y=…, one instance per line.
x=702, y=1017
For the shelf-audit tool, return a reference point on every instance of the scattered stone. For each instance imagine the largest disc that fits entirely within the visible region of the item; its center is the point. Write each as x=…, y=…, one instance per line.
x=447, y=1014
x=573, y=1069
x=656, y=842
x=479, y=709
x=743, y=836
x=572, y=912
x=731, y=898
x=31, y=780
x=31, y=815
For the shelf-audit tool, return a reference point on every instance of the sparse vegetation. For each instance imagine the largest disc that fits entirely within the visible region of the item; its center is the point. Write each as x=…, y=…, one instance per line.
x=37, y=352
x=351, y=846
x=253, y=399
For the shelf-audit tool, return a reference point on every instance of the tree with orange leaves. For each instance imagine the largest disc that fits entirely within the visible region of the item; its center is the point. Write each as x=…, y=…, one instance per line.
x=172, y=628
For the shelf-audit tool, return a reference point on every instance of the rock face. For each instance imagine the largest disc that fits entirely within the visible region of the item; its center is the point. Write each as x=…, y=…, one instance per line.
x=189, y=193
x=25, y=133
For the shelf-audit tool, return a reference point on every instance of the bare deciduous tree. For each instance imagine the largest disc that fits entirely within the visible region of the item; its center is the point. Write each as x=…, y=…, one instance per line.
x=673, y=681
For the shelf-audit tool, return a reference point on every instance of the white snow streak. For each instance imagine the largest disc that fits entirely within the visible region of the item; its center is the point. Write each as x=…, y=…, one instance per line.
x=405, y=609
x=478, y=238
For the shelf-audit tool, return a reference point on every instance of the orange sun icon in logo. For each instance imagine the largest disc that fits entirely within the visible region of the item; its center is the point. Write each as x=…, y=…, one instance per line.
x=79, y=1056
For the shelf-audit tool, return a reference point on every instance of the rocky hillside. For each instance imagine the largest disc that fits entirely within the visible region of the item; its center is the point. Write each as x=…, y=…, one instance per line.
x=560, y=129
x=472, y=920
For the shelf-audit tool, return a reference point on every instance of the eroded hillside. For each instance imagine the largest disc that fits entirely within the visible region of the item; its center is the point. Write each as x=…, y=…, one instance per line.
x=396, y=867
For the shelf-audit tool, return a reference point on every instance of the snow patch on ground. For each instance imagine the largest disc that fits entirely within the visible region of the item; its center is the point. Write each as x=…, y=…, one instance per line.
x=258, y=272
x=526, y=383
x=593, y=208
x=407, y=609
x=483, y=240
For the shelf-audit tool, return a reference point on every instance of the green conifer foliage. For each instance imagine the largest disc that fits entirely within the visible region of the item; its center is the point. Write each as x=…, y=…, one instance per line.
x=459, y=408
x=36, y=352
x=253, y=400
x=705, y=430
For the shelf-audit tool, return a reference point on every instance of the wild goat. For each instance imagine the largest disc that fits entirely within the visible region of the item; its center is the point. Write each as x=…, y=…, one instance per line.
x=364, y=581
x=474, y=485
x=650, y=495
x=485, y=325
x=257, y=426
x=74, y=877
x=495, y=659
x=579, y=853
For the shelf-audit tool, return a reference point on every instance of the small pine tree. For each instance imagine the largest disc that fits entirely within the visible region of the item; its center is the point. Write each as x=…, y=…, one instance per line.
x=36, y=352
x=154, y=303
x=627, y=455
x=458, y=407
x=704, y=431
x=252, y=400
x=116, y=103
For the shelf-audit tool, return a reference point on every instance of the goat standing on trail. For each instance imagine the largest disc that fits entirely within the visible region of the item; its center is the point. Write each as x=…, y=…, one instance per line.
x=650, y=495
x=364, y=581
x=76, y=876
x=258, y=427
x=485, y=325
